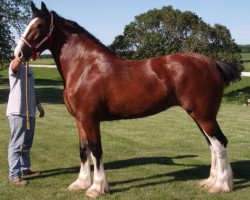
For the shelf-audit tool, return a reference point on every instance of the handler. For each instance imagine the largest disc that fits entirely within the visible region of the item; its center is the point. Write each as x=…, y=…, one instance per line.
x=21, y=138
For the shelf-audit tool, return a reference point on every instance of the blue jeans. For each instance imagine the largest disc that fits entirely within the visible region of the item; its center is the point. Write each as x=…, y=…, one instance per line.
x=21, y=140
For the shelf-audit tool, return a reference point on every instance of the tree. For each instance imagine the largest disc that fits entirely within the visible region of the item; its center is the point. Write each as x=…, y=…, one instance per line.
x=165, y=31
x=13, y=14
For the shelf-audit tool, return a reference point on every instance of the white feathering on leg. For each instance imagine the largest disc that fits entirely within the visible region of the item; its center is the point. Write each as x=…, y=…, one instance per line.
x=210, y=181
x=224, y=174
x=84, y=178
x=100, y=184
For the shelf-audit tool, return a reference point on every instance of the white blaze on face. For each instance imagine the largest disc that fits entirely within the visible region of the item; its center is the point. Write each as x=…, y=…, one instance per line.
x=18, y=50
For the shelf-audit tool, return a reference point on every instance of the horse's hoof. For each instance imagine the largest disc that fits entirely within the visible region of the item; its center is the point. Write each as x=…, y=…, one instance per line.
x=220, y=189
x=95, y=193
x=203, y=183
x=78, y=186
x=207, y=183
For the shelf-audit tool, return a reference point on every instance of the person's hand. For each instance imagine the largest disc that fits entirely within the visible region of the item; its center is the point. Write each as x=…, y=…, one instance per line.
x=40, y=109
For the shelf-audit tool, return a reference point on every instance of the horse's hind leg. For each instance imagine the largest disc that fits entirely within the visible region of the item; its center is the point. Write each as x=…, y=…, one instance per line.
x=221, y=175
x=210, y=181
x=84, y=178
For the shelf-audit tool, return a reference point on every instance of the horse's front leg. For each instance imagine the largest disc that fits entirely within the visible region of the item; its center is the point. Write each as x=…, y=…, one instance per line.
x=100, y=185
x=84, y=178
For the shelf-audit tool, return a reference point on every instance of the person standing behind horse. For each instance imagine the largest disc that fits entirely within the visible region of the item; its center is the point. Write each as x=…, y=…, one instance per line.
x=21, y=138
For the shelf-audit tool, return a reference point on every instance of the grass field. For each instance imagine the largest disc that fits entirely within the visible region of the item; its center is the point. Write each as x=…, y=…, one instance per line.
x=245, y=56
x=246, y=60
x=44, y=61
x=158, y=157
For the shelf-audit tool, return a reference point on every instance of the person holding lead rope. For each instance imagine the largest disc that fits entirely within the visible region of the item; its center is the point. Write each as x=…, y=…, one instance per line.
x=21, y=110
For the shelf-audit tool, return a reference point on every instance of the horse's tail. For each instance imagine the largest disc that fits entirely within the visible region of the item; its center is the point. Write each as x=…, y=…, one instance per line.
x=230, y=72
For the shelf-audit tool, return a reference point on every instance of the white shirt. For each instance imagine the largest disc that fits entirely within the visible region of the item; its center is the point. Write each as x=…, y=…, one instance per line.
x=17, y=96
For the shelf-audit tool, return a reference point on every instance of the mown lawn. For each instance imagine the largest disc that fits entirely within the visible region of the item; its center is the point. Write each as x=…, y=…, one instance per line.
x=246, y=61
x=43, y=61
x=158, y=157
x=245, y=56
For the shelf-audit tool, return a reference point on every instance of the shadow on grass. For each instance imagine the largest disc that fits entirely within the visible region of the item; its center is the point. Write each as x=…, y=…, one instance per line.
x=48, y=82
x=3, y=80
x=193, y=172
x=45, y=95
x=4, y=93
x=238, y=95
x=120, y=164
x=52, y=94
x=144, y=161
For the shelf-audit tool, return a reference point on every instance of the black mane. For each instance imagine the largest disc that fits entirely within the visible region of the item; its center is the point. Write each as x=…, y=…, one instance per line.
x=74, y=27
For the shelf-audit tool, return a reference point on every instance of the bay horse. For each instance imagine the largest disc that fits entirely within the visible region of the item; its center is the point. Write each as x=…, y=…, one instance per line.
x=100, y=86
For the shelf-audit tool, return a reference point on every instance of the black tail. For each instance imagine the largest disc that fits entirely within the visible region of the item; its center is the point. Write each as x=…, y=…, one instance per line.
x=230, y=72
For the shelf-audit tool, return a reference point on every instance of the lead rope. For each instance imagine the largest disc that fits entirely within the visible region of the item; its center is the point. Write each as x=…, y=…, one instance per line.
x=27, y=100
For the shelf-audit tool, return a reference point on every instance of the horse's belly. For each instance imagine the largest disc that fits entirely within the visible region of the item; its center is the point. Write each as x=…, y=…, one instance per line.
x=140, y=105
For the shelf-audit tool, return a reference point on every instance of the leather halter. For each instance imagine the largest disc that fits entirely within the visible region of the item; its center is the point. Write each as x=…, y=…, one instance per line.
x=34, y=47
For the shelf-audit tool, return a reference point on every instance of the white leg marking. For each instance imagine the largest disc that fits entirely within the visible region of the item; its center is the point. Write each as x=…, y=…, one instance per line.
x=224, y=174
x=84, y=178
x=100, y=184
x=208, y=183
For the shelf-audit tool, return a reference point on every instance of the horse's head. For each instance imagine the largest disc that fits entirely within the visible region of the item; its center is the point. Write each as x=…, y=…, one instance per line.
x=37, y=35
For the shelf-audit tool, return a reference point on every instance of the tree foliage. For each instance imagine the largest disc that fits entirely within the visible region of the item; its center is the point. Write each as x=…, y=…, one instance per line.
x=13, y=16
x=165, y=31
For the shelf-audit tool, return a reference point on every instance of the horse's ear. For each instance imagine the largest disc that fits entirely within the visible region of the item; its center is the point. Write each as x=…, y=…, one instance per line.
x=34, y=9
x=44, y=8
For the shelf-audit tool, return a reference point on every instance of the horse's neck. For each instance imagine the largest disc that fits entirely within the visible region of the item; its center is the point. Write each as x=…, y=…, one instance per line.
x=74, y=51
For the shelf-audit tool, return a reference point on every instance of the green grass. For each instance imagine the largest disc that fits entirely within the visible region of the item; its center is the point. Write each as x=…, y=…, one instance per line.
x=247, y=66
x=245, y=56
x=44, y=61
x=158, y=157
x=238, y=92
x=246, y=61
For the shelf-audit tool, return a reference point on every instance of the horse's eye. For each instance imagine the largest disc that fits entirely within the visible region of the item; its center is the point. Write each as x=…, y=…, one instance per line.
x=39, y=26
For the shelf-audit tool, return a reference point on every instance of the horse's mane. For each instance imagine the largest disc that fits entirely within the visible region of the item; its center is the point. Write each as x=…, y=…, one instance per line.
x=74, y=27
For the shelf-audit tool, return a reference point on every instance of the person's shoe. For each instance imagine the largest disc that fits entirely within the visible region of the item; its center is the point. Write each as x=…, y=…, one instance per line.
x=19, y=181
x=30, y=173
